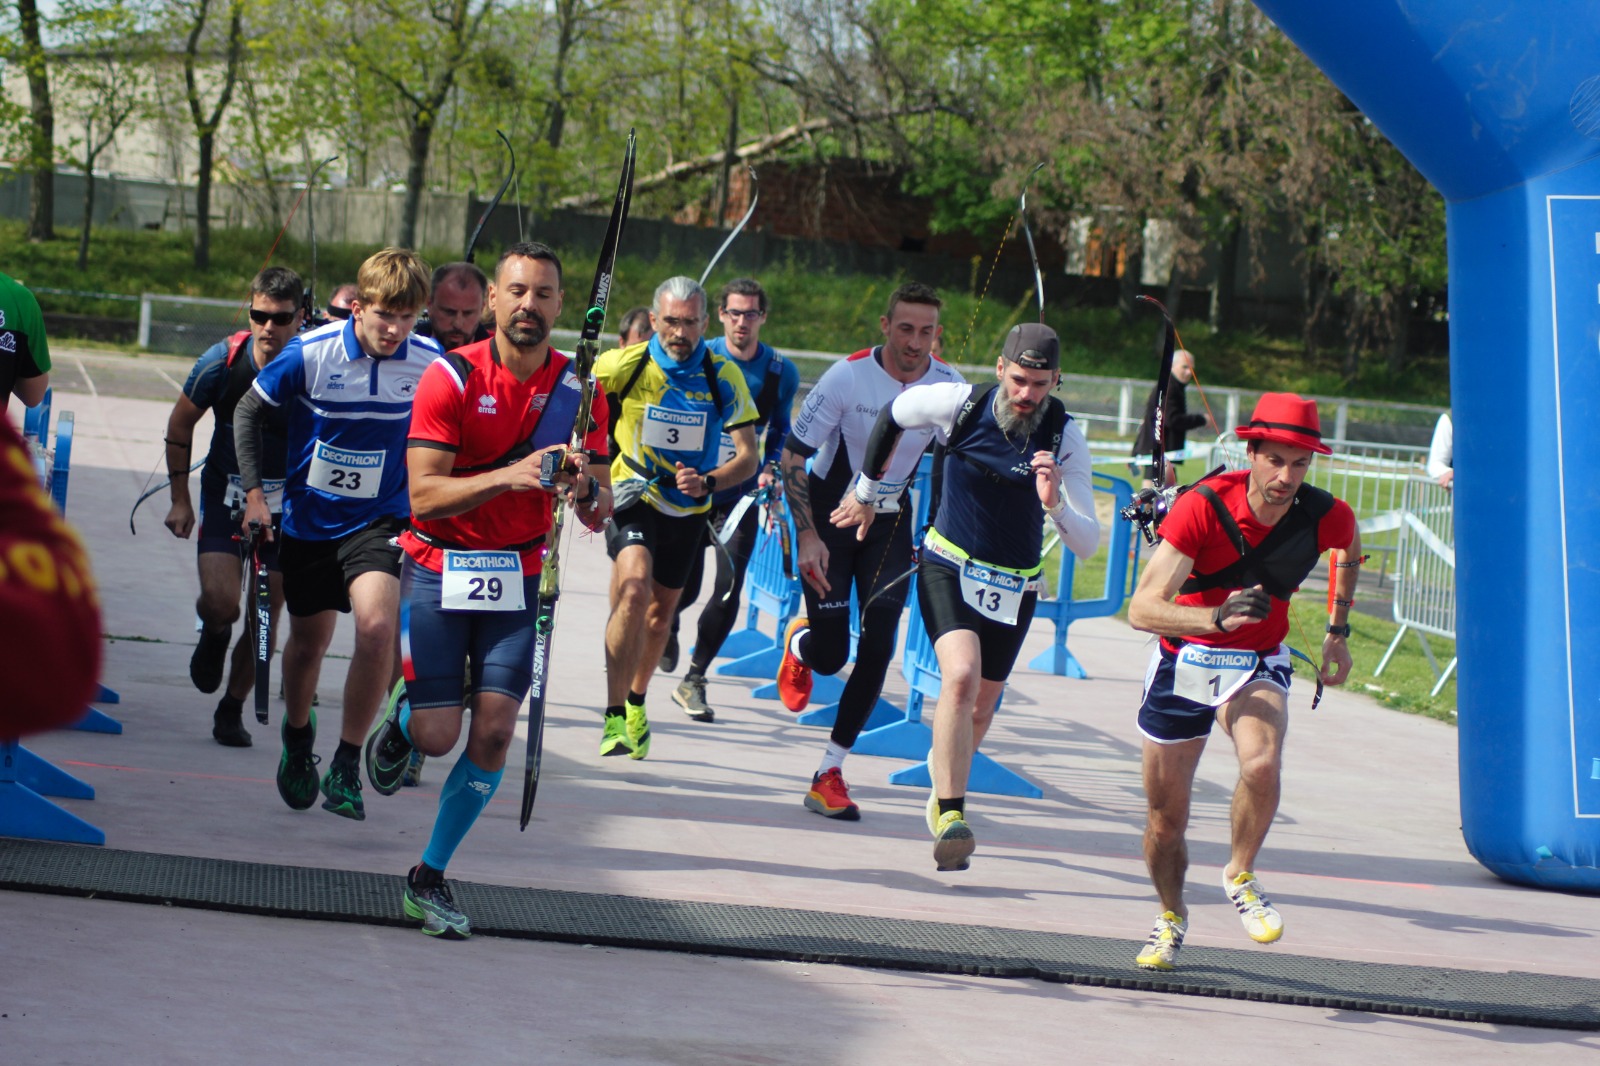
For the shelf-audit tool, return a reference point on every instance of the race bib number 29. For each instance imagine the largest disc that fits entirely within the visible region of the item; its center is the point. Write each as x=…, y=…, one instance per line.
x=357, y=475
x=482, y=581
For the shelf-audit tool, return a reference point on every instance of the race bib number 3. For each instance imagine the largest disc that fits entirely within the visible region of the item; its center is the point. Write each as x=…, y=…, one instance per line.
x=233, y=497
x=674, y=431
x=357, y=475
x=482, y=581
x=995, y=594
x=1211, y=676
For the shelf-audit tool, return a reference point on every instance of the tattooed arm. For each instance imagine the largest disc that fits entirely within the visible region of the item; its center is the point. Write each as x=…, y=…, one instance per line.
x=812, y=554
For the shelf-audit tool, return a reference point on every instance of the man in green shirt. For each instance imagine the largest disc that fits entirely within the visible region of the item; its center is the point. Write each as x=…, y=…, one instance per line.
x=24, y=352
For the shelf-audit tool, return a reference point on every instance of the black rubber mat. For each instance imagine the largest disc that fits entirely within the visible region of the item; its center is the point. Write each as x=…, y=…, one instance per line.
x=1264, y=974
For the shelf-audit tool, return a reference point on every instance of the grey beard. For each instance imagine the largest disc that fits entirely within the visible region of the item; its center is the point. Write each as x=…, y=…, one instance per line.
x=1013, y=424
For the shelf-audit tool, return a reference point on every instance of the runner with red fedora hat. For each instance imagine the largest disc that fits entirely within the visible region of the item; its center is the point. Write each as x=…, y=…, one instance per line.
x=1233, y=550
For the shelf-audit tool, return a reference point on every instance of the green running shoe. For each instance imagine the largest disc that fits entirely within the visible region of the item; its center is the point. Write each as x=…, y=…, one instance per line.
x=434, y=904
x=297, y=769
x=388, y=753
x=614, y=740
x=342, y=787
x=638, y=730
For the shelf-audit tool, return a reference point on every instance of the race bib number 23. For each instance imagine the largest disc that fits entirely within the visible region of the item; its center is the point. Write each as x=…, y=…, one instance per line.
x=356, y=475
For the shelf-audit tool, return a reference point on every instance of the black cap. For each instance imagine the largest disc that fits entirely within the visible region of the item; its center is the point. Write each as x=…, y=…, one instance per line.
x=1033, y=346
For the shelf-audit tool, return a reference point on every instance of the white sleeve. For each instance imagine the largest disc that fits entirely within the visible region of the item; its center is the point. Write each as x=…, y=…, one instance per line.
x=932, y=407
x=822, y=411
x=1441, y=453
x=1077, y=523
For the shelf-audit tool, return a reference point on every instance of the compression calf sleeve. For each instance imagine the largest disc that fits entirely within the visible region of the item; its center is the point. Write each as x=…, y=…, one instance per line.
x=466, y=793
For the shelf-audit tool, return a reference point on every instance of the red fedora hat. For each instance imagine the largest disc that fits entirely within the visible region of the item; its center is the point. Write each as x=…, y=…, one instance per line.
x=1287, y=419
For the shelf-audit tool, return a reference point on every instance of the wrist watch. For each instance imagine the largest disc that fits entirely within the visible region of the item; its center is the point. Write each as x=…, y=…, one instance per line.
x=710, y=482
x=1339, y=631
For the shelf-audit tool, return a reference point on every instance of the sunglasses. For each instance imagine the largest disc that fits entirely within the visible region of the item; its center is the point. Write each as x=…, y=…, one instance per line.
x=277, y=318
x=338, y=312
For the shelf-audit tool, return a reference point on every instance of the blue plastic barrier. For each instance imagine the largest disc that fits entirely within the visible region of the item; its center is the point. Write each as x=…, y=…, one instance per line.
x=1495, y=102
x=1122, y=556
x=25, y=778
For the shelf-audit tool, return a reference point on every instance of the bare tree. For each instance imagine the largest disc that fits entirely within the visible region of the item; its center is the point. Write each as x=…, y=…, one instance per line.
x=41, y=128
x=206, y=125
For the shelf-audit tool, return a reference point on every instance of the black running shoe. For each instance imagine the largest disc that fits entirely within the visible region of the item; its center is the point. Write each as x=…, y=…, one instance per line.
x=432, y=901
x=342, y=787
x=210, y=656
x=669, y=654
x=388, y=751
x=297, y=769
x=227, y=726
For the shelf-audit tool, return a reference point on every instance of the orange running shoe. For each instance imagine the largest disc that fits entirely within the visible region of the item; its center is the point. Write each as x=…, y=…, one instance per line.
x=794, y=676
x=830, y=797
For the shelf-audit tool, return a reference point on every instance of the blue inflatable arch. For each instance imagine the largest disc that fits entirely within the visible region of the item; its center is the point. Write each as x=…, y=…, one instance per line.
x=1497, y=103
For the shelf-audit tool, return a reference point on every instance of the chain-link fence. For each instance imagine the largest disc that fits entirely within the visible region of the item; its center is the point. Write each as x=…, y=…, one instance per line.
x=187, y=325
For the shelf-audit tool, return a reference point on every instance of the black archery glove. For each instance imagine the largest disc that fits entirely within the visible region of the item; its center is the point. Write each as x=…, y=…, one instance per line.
x=1253, y=603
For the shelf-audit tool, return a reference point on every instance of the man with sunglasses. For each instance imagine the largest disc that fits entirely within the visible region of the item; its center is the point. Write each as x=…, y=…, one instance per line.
x=773, y=381
x=672, y=401
x=339, y=303
x=346, y=390
x=219, y=379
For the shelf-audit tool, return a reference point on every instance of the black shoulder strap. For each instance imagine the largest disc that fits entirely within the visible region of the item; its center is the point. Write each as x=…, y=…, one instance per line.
x=767, y=401
x=978, y=395
x=1311, y=504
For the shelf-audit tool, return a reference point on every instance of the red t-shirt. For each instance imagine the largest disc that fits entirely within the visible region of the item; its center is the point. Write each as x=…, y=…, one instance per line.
x=1193, y=528
x=481, y=422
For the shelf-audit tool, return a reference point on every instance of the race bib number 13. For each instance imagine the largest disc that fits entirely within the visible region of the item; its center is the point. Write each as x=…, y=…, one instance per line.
x=995, y=594
x=482, y=581
x=357, y=475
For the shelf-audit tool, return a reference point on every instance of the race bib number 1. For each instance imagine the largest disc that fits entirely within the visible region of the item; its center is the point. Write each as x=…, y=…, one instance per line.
x=1211, y=676
x=233, y=496
x=995, y=594
x=482, y=581
x=673, y=431
x=357, y=475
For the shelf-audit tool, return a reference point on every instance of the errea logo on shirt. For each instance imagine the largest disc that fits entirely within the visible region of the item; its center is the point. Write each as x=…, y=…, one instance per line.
x=486, y=404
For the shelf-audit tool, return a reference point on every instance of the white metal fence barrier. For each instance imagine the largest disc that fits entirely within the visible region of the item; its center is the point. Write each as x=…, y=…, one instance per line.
x=1425, y=575
x=187, y=325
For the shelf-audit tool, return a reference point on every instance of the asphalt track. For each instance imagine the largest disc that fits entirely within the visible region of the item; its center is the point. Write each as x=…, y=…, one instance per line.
x=1365, y=860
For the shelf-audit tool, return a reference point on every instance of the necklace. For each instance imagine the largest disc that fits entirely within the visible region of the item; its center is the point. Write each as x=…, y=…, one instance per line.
x=994, y=407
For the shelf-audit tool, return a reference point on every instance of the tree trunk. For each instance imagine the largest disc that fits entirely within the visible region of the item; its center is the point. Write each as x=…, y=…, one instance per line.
x=731, y=146
x=202, y=203
x=416, y=173
x=88, y=211
x=1224, y=294
x=41, y=129
x=1400, y=311
x=1128, y=284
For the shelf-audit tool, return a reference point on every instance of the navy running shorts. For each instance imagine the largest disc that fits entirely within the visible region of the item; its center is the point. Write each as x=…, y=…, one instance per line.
x=435, y=643
x=219, y=532
x=1168, y=718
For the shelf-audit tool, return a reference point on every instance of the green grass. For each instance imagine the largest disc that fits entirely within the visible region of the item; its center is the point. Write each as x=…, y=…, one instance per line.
x=816, y=310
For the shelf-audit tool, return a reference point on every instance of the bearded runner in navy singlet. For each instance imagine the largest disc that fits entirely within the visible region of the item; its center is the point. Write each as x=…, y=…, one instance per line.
x=474, y=552
x=347, y=390
x=1234, y=548
x=1010, y=455
x=220, y=379
x=831, y=431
